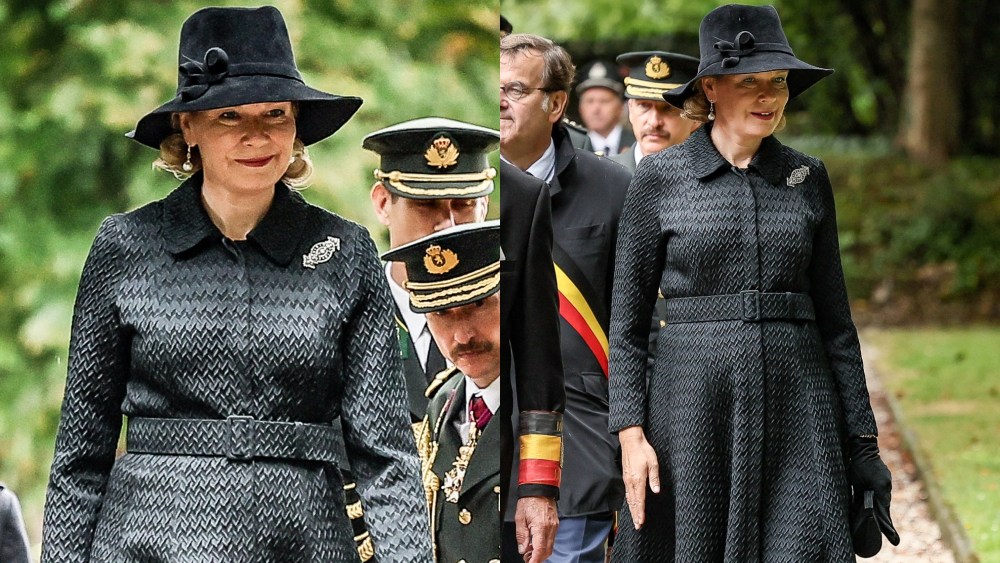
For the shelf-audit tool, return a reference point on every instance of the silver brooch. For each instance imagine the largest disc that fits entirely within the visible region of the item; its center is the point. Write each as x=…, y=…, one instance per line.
x=798, y=176
x=320, y=252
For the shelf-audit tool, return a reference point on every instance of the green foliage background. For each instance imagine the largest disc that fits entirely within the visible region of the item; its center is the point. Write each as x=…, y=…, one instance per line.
x=77, y=74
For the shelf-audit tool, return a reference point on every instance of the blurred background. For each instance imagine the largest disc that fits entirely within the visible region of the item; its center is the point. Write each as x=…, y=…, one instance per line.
x=909, y=128
x=75, y=76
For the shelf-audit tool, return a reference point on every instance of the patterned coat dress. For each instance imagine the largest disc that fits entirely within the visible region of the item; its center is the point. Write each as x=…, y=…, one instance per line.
x=174, y=321
x=752, y=396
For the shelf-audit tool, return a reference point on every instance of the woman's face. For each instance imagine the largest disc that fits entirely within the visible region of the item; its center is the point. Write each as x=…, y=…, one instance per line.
x=749, y=105
x=244, y=147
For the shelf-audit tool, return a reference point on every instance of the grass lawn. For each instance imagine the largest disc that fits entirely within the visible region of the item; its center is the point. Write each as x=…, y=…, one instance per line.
x=947, y=382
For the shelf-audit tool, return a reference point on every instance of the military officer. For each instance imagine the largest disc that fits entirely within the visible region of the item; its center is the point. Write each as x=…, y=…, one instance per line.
x=433, y=174
x=601, y=108
x=656, y=124
x=454, y=278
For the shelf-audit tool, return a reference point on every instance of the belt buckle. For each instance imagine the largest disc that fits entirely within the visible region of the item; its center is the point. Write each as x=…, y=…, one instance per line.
x=750, y=305
x=241, y=444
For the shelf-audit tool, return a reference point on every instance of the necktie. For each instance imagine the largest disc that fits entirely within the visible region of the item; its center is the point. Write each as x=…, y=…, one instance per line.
x=479, y=412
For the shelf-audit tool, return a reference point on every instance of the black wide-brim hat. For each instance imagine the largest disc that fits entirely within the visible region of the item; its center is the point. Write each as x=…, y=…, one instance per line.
x=236, y=56
x=737, y=39
x=451, y=268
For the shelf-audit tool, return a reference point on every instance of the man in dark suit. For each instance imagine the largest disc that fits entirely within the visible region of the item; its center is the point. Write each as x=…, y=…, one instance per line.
x=587, y=196
x=656, y=124
x=530, y=339
x=601, y=108
x=453, y=277
x=433, y=174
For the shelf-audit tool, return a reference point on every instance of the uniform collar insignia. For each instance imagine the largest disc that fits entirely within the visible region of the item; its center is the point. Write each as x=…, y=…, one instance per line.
x=320, y=252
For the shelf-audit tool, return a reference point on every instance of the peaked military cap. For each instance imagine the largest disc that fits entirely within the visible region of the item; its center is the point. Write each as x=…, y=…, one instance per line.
x=651, y=73
x=600, y=74
x=434, y=158
x=451, y=268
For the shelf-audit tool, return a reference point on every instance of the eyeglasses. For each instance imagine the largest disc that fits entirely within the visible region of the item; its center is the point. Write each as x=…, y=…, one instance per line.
x=515, y=91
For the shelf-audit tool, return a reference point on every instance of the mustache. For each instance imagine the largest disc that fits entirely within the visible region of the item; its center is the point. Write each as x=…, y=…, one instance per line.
x=474, y=347
x=655, y=131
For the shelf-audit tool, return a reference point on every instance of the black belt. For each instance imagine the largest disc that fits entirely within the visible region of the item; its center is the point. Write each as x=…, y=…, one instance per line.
x=238, y=438
x=749, y=306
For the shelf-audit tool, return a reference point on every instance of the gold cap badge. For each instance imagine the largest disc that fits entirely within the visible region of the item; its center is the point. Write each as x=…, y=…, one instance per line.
x=657, y=68
x=442, y=153
x=439, y=260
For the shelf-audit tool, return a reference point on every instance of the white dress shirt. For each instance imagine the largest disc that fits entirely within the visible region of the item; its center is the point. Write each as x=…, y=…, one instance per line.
x=545, y=167
x=608, y=145
x=492, y=397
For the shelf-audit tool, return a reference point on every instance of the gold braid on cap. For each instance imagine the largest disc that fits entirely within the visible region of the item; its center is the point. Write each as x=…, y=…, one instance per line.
x=456, y=294
x=397, y=180
x=645, y=88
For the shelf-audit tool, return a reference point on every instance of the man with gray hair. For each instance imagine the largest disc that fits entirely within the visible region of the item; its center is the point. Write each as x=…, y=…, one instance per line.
x=587, y=194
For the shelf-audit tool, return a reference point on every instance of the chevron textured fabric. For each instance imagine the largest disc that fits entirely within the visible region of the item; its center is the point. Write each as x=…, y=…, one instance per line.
x=172, y=320
x=748, y=419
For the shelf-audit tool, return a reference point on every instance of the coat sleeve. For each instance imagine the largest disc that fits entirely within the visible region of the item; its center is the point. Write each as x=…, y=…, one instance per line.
x=91, y=412
x=638, y=264
x=833, y=316
x=377, y=433
x=534, y=341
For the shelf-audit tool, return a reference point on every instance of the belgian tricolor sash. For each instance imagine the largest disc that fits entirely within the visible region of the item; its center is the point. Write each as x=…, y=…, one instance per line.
x=580, y=306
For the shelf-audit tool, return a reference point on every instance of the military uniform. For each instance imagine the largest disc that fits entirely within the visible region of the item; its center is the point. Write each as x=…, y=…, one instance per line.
x=429, y=158
x=459, y=442
x=464, y=520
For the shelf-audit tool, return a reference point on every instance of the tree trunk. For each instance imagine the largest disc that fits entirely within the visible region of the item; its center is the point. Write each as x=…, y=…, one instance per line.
x=931, y=121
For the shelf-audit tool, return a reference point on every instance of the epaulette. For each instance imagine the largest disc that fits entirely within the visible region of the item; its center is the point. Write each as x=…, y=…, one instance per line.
x=574, y=125
x=439, y=380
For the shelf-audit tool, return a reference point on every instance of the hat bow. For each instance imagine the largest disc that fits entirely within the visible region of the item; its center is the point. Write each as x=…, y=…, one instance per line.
x=731, y=51
x=197, y=77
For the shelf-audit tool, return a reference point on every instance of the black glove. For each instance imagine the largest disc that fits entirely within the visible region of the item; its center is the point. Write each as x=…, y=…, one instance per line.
x=869, y=473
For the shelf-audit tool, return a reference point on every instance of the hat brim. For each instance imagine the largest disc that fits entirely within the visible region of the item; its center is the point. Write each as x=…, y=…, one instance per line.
x=319, y=114
x=607, y=83
x=801, y=75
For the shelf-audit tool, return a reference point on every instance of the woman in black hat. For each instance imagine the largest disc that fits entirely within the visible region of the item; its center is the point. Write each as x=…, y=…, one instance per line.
x=746, y=440
x=238, y=328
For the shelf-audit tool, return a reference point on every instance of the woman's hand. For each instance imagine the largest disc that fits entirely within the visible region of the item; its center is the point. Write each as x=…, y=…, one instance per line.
x=639, y=465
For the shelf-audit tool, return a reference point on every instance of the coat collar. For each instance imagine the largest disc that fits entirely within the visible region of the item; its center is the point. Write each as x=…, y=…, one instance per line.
x=187, y=224
x=706, y=160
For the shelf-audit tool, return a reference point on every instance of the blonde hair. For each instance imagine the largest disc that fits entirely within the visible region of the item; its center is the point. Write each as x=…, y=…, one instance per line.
x=173, y=155
x=696, y=106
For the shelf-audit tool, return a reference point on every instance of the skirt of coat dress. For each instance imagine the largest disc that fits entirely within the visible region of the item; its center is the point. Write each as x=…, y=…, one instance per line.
x=745, y=420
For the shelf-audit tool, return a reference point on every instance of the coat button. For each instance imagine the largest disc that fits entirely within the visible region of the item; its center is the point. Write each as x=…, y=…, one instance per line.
x=663, y=324
x=465, y=517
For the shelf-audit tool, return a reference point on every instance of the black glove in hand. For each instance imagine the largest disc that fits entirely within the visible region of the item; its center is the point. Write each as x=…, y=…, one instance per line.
x=869, y=473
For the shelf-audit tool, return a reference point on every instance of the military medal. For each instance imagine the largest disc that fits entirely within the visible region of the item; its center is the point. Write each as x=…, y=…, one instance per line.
x=320, y=252
x=456, y=475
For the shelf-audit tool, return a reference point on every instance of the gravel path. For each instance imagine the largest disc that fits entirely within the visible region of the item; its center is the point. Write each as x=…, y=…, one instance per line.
x=919, y=533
